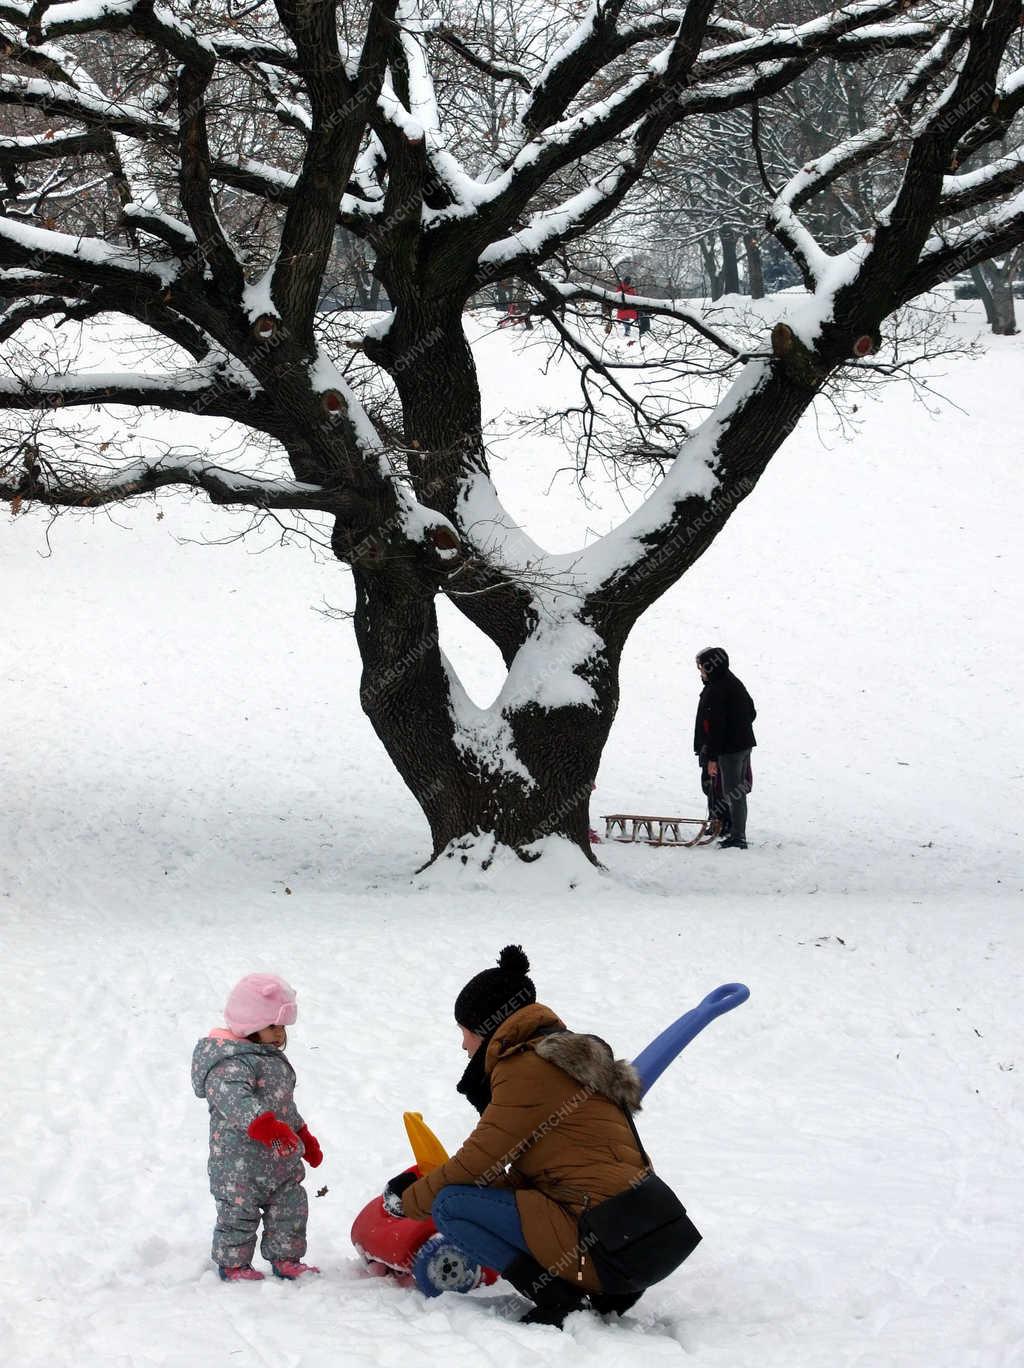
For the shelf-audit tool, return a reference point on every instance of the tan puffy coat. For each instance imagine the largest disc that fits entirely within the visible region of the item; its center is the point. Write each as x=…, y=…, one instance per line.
x=554, y=1131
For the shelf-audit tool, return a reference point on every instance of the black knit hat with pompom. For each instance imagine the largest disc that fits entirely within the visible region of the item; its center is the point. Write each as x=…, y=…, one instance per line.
x=490, y=997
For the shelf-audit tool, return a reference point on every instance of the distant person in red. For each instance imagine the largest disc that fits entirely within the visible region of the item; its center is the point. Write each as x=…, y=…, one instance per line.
x=518, y=312
x=626, y=315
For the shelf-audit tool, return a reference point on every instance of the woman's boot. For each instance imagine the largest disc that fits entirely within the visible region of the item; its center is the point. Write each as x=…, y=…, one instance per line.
x=553, y=1297
x=613, y=1303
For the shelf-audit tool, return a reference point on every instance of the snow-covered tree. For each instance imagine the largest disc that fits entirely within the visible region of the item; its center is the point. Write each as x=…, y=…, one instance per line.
x=187, y=167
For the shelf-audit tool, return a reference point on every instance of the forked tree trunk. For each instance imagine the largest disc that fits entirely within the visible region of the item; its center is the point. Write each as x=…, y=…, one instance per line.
x=514, y=775
x=522, y=770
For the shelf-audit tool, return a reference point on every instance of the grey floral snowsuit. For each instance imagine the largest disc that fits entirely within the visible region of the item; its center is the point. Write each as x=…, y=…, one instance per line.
x=241, y=1080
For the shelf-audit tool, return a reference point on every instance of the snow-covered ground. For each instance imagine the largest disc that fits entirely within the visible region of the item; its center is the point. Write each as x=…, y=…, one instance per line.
x=190, y=791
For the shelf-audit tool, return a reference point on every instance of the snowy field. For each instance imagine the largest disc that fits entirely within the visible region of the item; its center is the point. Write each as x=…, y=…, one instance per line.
x=190, y=792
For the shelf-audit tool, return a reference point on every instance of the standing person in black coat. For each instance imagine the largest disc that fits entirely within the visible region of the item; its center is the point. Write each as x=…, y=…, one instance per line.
x=723, y=738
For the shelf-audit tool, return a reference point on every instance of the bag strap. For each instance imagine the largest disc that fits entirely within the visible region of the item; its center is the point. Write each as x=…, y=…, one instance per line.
x=636, y=1136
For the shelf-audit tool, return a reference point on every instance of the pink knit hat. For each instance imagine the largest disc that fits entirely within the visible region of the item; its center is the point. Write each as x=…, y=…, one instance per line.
x=257, y=1001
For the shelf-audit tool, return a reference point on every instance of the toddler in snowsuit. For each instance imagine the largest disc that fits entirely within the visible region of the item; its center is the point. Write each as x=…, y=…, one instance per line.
x=257, y=1137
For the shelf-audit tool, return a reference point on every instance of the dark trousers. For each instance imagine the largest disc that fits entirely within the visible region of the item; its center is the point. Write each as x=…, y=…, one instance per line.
x=734, y=768
x=718, y=808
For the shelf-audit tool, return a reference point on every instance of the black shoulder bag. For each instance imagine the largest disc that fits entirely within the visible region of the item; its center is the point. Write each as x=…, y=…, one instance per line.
x=640, y=1236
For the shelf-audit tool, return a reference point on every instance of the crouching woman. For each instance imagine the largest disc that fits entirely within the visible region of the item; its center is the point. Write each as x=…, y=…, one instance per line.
x=553, y=1142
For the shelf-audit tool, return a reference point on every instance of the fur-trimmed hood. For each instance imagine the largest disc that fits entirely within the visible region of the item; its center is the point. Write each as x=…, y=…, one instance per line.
x=591, y=1061
x=586, y=1058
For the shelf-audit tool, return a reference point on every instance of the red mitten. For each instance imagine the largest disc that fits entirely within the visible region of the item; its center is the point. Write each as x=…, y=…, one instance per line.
x=276, y=1135
x=314, y=1155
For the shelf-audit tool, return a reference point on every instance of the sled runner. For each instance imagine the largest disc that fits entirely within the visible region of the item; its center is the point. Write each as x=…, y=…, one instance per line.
x=659, y=831
x=414, y=1252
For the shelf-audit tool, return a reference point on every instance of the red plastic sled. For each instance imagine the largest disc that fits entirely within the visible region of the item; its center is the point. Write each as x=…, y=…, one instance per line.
x=386, y=1239
x=389, y=1244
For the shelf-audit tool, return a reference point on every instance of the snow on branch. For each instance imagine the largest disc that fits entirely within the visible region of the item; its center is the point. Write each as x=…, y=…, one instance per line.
x=782, y=41
x=30, y=149
x=903, y=227
x=673, y=85
x=60, y=98
x=817, y=175
x=279, y=87
x=89, y=259
x=231, y=47
x=422, y=98
x=112, y=117
x=216, y=388
x=972, y=188
x=1007, y=104
x=571, y=65
x=968, y=244
x=695, y=474
x=546, y=230
x=34, y=309
x=29, y=477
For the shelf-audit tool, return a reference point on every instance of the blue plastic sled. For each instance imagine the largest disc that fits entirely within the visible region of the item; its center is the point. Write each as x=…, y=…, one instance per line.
x=652, y=1062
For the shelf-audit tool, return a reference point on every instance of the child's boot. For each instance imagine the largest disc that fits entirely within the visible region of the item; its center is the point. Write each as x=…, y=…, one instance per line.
x=244, y=1273
x=290, y=1269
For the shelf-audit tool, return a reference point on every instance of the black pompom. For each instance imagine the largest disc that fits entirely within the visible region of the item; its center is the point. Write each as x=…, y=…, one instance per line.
x=493, y=995
x=513, y=960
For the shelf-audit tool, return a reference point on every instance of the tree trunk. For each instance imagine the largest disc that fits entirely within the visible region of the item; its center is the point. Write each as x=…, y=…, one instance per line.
x=521, y=770
x=994, y=280
x=755, y=266
x=714, y=275
x=730, y=262
x=427, y=353
x=432, y=365
x=362, y=298
x=981, y=285
x=508, y=776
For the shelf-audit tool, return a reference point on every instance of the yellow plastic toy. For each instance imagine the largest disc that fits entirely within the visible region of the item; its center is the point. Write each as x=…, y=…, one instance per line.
x=427, y=1150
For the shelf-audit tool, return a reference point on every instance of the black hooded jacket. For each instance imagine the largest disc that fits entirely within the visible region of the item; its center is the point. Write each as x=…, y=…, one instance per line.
x=725, y=713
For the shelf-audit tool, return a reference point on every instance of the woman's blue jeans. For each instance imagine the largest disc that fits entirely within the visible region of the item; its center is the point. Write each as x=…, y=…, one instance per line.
x=483, y=1222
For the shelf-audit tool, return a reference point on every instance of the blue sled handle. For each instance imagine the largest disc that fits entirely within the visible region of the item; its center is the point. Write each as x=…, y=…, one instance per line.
x=652, y=1062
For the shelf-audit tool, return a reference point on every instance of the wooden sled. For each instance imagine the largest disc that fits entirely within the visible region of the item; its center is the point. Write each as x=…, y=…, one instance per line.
x=635, y=828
